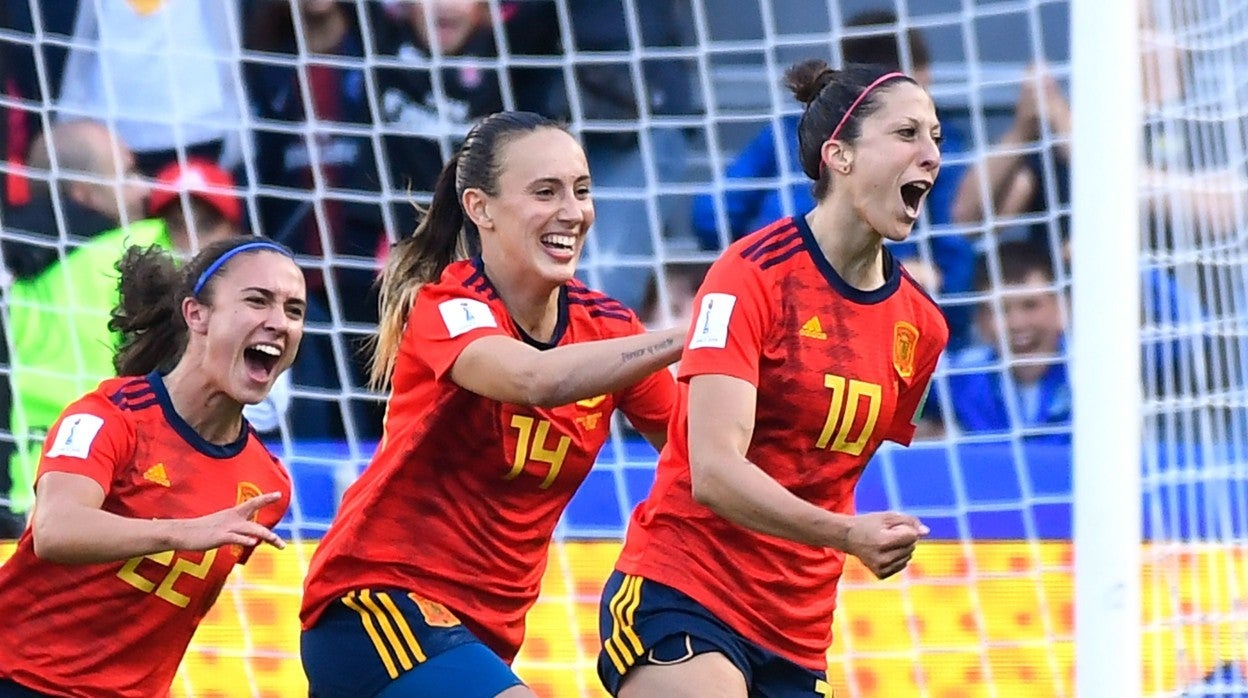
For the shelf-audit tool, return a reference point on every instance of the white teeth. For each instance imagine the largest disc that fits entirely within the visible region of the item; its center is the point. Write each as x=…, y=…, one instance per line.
x=269, y=349
x=559, y=239
x=921, y=185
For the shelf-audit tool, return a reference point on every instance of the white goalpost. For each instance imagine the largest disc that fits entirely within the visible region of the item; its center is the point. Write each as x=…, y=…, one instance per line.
x=1105, y=87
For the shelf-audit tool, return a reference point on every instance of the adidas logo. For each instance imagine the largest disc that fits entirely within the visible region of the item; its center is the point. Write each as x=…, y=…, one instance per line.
x=813, y=329
x=157, y=474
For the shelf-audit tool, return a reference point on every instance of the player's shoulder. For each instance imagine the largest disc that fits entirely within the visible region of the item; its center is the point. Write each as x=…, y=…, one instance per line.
x=125, y=395
x=765, y=249
x=259, y=452
x=926, y=310
x=115, y=406
x=462, y=279
x=590, y=308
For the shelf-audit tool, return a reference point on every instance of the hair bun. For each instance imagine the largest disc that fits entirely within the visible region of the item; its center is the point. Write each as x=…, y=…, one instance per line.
x=808, y=78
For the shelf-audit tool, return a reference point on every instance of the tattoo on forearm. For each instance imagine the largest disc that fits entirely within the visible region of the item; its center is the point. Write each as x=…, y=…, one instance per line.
x=651, y=350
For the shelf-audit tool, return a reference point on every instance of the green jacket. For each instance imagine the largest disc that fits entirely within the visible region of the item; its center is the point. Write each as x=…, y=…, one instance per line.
x=62, y=348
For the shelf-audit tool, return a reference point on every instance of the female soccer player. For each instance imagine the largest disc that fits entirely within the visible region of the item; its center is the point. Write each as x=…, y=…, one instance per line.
x=811, y=346
x=504, y=373
x=152, y=487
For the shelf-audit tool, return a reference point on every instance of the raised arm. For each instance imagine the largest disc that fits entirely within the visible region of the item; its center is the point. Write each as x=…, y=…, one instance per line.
x=721, y=424
x=508, y=370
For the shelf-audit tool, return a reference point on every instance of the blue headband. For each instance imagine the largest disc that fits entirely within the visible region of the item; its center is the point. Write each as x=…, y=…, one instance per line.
x=246, y=247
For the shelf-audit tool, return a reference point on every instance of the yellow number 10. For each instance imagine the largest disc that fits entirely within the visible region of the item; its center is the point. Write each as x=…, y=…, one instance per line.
x=842, y=412
x=538, y=452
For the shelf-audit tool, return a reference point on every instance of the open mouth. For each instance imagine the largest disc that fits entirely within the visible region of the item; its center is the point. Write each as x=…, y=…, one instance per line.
x=261, y=359
x=912, y=194
x=559, y=242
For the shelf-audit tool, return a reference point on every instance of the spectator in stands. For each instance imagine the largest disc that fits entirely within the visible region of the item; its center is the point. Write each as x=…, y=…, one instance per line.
x=621, y=251
x=324, y=180
x=417, y=121
x=683, y=281
x=30, y=65
x=164, y=70
x=747, y=210
x=1016, y=378
x=1014, y=175
x=62, y=345
x=85, y=170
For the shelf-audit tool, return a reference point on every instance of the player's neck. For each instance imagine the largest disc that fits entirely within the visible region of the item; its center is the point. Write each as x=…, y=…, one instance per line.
x=532, y=304
x=853, y=249
x=211, y=413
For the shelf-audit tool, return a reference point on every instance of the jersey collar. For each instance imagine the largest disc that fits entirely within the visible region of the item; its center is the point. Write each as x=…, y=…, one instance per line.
x=187, y=432
x=561, y=323
x=892, y=270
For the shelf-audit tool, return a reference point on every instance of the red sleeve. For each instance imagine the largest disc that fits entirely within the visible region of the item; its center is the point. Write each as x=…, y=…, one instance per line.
x=444, y=320
x=649, y=403
x=733, y=319
x=911, y=398
x=90, y=438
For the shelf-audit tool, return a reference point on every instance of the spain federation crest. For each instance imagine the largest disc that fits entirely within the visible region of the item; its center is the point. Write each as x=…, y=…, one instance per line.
x=905, y=340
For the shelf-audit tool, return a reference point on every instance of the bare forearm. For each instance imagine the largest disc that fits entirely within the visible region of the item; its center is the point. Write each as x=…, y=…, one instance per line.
x=79, y=535
x=746, y=496
x=577, y=371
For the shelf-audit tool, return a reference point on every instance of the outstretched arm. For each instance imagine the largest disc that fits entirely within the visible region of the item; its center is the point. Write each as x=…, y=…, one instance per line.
x=70, y=528
x=508, y=370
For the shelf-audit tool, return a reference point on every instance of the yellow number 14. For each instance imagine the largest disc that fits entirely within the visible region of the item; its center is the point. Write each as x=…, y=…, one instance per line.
x=538, y=451
x=842, y=412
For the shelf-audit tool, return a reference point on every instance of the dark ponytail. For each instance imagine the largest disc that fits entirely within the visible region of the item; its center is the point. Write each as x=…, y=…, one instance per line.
x=151, y=287
x=445, y=234
x=148, y=315
x=828, y=95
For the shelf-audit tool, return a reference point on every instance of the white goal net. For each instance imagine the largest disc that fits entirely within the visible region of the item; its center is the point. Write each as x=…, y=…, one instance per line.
x=332, y=118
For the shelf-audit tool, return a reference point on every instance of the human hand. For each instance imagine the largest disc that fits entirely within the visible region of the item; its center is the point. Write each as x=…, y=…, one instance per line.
x=1027, y=107
x=884, y=541
x=233, y=526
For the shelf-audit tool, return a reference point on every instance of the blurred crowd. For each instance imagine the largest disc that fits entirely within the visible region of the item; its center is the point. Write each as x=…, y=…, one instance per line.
x=322, y=124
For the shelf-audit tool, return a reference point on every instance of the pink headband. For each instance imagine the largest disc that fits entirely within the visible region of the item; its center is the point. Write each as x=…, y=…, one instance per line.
x=836, y=131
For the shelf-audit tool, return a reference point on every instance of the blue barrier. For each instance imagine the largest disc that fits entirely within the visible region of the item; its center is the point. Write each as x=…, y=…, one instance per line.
x=971, y=491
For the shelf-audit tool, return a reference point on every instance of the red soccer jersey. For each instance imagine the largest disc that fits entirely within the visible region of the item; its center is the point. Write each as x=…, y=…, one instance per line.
x=463, y=495
x=838, y=371
x=121, y=628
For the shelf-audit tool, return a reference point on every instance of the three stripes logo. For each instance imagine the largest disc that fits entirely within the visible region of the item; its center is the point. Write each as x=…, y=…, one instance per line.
x=390, y=632
x=624, y=646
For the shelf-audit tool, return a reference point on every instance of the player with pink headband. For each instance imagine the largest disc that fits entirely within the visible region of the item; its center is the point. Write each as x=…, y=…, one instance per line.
x=811, y=347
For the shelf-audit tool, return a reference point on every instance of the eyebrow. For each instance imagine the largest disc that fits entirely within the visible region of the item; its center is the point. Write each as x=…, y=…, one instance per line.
x=267, y=293
x=555, y=180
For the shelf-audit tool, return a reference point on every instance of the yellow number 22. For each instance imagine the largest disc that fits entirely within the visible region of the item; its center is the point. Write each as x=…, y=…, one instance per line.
x=538, y=451
x=164, y=588
x=842, y=412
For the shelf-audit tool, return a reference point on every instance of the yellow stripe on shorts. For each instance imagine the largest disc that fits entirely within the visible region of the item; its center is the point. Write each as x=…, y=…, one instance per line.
x=623, y=609
x=371, y=628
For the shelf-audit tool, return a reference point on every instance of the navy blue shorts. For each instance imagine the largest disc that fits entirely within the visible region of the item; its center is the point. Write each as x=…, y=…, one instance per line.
x=643, y=622
x=9, y=689
x=395, y=644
